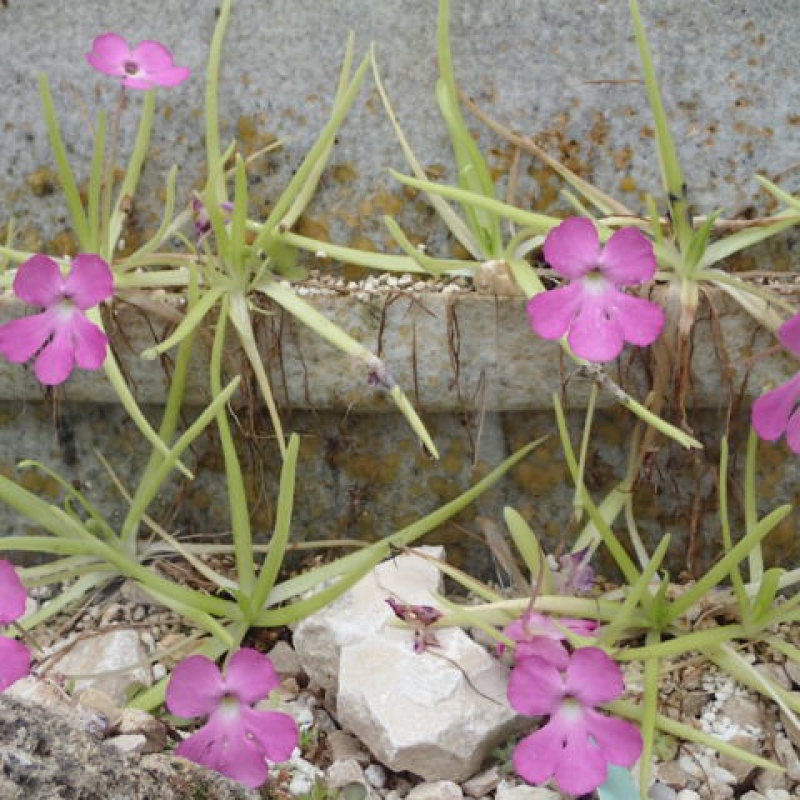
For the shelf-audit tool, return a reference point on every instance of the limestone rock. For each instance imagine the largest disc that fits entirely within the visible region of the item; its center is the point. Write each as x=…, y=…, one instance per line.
x=362, y=612
x=436, y=714
x=506, y=792
x=112, y=662
x=436, y=790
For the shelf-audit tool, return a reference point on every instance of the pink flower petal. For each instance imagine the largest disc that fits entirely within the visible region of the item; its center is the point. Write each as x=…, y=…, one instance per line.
x=276, y=732
x=550, y=650
x=594, y=335
x=172, y=77
x=628, y=257
x=593, y=677
x=39, y=281
x=770, y=413
x=222, y=745
x=582, y=766
x=640, y=320
x=21, y=339
x=537, y=756
x=15, y=662
x=619, y=740
x=57, y=359
x=573, y=248
x=535, y=687
x=89, y=343
x=789, y=335
x=152, y=57
x=551, y=313
x=250, y=676
x=583, y=627
x=139, y=83
x=12, y=594
x=89, y=282
x=109, y=54
x=793, y=432
x=237, y=743
x=195, y=688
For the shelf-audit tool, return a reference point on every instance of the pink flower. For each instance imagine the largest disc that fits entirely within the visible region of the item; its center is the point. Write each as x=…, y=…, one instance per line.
x=147, y=65
x=538, y=635
x=595, y=315
x=578, y=743
x=237, y=740
x=15, y=660
x=775, y=413
x=62, y=335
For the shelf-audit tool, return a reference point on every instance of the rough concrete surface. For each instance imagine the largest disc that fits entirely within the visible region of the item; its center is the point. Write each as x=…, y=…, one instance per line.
x=44, y=754
x=566, y=71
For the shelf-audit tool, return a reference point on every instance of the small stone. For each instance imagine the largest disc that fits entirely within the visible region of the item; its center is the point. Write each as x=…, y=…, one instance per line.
x=775, y=673
x=375, y=775
x=344, y=745
x=436, y=790
x=133, y=744
x=672, y=774
x=777, y=794
x=134, y=721
x=688, y=794
x=793, y=671
x=113, y=662
x=768, y=779
x=741, y=770
x=482, y=783
x=743, y=711
x=285, y=660
x=787, y=756
x=660, y=791
x=792, y=731
x=751, y=795
x=343, y=773
x=506, y=792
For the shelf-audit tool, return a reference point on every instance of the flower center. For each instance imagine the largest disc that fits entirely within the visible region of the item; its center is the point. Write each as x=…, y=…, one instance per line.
x=595, y=281
x=131, y=68
x=571, y=708
x=229, y=706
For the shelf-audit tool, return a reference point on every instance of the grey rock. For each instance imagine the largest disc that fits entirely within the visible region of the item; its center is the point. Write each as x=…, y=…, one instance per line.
x=482, y=783
x=362, y=612
x=769, y=779
x=285, y=660
x=505, y=792
x=112, y=662
x=44, y=753
x=660, y=791
x=434, y=714
x=436, y=790
x=347, y=773
x=787, y=756
x=132, y=744
x=344, y=745
x=135, y=722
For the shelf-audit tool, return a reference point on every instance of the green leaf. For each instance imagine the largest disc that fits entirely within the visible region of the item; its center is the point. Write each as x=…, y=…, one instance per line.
x=765, y=599
x=529, y=548
x=699, y=242
x=671, y=170
x=66, y=177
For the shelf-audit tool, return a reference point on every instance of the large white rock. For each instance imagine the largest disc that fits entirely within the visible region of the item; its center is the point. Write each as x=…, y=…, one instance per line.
x=437, y=713
x=363, y=611
x=112, y=662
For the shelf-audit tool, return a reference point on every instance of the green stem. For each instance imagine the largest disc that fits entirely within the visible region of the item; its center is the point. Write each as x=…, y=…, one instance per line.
x=237, y=498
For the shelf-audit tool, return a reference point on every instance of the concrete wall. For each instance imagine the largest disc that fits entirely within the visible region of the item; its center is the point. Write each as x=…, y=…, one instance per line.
x=565, y=71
